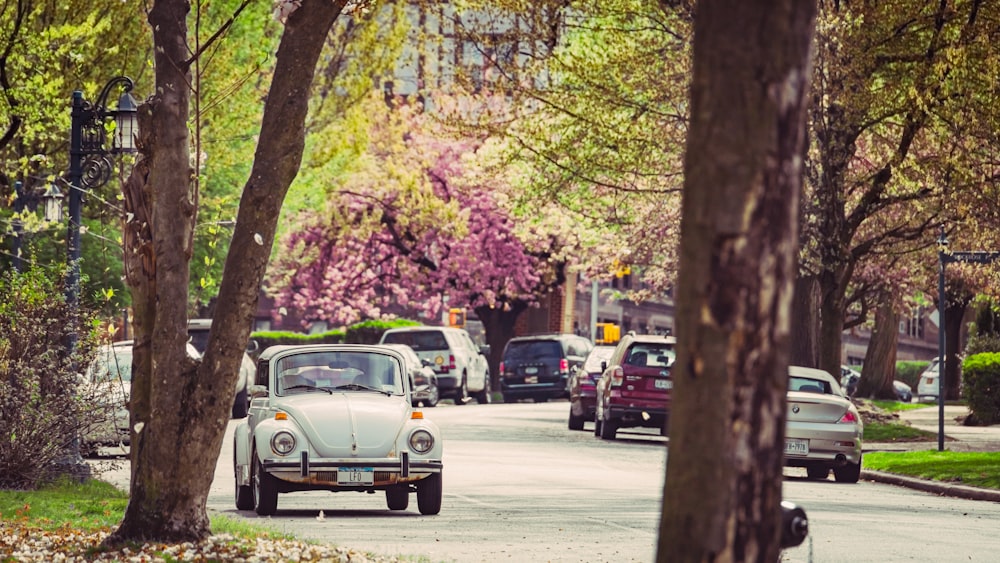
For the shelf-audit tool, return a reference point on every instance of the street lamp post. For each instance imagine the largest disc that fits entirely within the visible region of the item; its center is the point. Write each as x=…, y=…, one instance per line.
x=90, y=164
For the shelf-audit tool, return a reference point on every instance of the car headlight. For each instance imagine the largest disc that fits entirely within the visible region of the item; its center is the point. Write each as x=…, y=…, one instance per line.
x=421, y=441
x=282, y=442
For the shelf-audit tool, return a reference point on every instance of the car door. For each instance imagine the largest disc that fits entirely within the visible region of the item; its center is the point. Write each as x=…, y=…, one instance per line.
x=478, y=367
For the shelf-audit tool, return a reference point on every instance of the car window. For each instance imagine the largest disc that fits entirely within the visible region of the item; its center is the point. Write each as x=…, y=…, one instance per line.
x=418, y=340
x=532, y=350
x=342, y=371
x=808, y=384
x=650, y=354
x=112, y=364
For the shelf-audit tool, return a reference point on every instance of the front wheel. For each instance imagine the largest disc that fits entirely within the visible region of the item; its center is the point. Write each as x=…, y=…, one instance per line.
x=850, y=473
x=485, y=396
x=608, y=430
x=429, y=492
x=397, y=497
x=265, y=489
x=575, y=421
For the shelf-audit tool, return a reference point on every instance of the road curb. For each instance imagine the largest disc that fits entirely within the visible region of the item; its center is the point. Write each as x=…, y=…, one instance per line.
x=936, y=487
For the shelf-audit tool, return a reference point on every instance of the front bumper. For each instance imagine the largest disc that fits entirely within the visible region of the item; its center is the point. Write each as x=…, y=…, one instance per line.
x=305, y=473
x=548, y=390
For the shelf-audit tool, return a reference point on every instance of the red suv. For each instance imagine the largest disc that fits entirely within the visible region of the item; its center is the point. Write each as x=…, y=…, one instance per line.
x=634, y=389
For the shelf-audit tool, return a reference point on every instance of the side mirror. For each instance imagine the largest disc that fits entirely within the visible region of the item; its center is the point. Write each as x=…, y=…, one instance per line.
x=257, y=391
x=252, y=346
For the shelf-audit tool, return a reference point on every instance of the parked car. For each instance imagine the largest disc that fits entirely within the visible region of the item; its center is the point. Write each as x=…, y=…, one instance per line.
x=635, y=388
x=106, y=387
x=461, y=367
x=849, y=378
x=583, y=386
x=538, y=367
x=930, y=382
x=335, y=417
x=423, y=380
x=198, y=334
x=824, y=429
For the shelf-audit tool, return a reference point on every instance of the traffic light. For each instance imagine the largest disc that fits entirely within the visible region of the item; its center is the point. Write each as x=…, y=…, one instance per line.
x=456, y=317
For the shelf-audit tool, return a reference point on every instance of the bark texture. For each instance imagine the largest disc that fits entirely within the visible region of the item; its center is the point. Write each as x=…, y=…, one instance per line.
x=743, y=175
x=879, y=369
x=180, y=408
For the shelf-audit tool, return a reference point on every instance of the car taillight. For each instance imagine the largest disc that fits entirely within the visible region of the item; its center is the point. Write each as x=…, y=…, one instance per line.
x=563, y=365
x=501, y=367
x=849, y=418
x=451, y=362
x=617, y=377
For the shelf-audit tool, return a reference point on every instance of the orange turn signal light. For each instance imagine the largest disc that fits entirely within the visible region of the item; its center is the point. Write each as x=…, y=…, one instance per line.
x=416, y=415
x=281, y=415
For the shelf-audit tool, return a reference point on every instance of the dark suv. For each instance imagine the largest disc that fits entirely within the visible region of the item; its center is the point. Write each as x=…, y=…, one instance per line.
x=635, y=388
x=538, y=367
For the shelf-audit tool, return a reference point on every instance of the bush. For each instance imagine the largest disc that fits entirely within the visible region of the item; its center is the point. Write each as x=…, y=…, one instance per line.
x=365, y=332
x=370, y=332
x=40, y=414
x=909, y=372
x=981, y=373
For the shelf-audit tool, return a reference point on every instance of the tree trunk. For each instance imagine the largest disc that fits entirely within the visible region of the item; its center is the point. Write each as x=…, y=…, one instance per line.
x=833, y=288
x=879, y=370
x=805, y=322
x=498, y=325
x=954, y=318
x=742, y=182
x=182, y=409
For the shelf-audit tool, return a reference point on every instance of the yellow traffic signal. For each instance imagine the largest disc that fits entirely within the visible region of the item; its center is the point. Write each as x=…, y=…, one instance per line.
x=456, y=317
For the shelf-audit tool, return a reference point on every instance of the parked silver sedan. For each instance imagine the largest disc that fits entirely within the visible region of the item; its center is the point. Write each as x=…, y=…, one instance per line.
x=824, y=429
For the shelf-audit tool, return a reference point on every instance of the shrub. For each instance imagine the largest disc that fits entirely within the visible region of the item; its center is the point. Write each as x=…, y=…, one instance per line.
x=370, y=332
x=266, y=339
x=981, y=373
x=909, y=372
x=40, y=414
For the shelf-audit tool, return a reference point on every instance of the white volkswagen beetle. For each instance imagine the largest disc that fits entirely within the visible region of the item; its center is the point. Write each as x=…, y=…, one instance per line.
x=335, y=417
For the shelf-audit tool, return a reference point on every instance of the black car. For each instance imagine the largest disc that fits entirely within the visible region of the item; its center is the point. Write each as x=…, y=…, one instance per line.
x=538, y=367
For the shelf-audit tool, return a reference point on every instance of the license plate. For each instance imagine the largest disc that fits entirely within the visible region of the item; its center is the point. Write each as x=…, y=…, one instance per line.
x=531, y=379
x=664, y=384
x=355, y=476
x=794, y=446
x=531, y=369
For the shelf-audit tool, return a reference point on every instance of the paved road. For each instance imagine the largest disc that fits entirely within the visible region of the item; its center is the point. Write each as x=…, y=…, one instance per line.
x=520, y=487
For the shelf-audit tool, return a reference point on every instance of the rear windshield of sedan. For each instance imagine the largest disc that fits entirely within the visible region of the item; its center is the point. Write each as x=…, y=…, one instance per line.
x=532, y=350
x=810, y=385
x=596, y=357
x=420, y=341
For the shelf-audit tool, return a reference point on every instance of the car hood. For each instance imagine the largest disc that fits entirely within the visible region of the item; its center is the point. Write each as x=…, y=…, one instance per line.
x=815, y=407
x=349, y=424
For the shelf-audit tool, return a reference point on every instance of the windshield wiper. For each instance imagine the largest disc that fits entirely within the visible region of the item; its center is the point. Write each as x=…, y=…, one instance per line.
x=359, y=387
x=309, y=387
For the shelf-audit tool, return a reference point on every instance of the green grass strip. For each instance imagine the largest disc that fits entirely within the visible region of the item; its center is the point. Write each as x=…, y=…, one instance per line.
x=976, y=469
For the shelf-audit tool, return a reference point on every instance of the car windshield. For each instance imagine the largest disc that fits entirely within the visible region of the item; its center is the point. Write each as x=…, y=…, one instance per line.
x=418, y=340
x=643, y=354
x=808, y=384
x=596, y=357
x=113, y=363
x=532, y=350
x=341, y=371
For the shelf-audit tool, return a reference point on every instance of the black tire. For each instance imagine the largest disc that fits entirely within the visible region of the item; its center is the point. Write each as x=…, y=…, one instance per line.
x=461, y=395
x=429, y=492
x=485, y=396
x=397, y=497
x=265, y=489
x=244, y=493
x=541, y=399
x=608, y=430
x=575, y=422
x=850, y=473
x=814, y=472
x=241, y=405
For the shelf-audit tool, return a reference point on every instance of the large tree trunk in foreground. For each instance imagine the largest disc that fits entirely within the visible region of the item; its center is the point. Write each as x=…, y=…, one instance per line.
x=181, y=413
x=742, y=179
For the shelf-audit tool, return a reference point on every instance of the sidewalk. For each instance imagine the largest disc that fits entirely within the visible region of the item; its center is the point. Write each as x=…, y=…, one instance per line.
x=958, y=438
